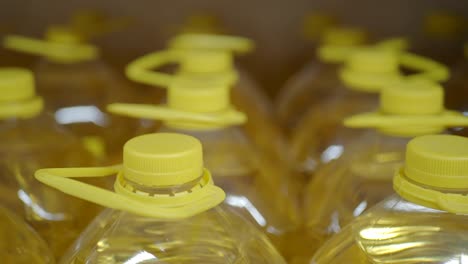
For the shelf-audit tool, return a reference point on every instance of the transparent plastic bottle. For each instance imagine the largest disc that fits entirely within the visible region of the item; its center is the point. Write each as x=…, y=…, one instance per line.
x=20, y=243
x=76, y=86
x=31, y=139
x=425, y=222
x=362, y=176
x=201, y=55
x=165, y=209
x=317, y=80
x=201, y=107
x=318, y=140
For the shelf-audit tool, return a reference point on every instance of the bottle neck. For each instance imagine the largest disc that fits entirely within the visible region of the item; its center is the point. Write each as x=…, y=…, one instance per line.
x=159, y=190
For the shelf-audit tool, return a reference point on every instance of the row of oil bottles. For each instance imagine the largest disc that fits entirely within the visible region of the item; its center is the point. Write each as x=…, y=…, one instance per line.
x=230, y=178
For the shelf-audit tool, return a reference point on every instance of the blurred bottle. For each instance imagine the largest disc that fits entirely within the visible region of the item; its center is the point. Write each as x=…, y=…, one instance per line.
x=442, y=36
x=30, y=140
x=318, y=79
x=362, y=176
x=165, y=209
x=200, y=23
x=20, y=243
x=200, y=106
x=76, y=86
x=457, y=89
x=320, y=137
x=425, y=222
x=201, y=55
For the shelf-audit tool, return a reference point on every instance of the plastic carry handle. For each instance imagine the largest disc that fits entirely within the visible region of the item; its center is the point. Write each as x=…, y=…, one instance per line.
x=394, y=44
x=168, y=114
x=376, y=120
x=450, y=202
x=456, y=203
x=61, y=179
x=50, y=49
x=430, y=69
x=140, y=69
x=212, y=42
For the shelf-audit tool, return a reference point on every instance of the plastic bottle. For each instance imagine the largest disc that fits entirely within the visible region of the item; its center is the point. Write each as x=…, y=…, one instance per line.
x=76, y=86
x=442, y=36
x=318, y=140
x=30, y=139
x=165, y=208
x=201, y=55
x=362, y=176
x=201, y=107
x=456, y=87
x=20, y=243
x=317, y=80
x=425, y=222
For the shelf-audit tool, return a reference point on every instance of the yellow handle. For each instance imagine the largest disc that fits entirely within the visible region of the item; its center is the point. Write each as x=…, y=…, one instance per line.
x=430, y=69
x=67, y=51
x=450, y=202
x=455, y=203
x=377, y=120
x=60, y=179
x=229, y=117
x=394, y=44
x=212, y=42
x=140, y=69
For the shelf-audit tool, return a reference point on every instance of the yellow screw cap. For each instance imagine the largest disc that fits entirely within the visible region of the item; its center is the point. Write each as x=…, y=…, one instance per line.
x=211, y=42
x=162, y=159
x=61, y=34
x=202, y=23
x=412, y=97
x=206, y=61
x=443, y=24
x=17, y=94
x=372, y=60
x=438, y=161
x=316, y=24
x=435, y=173
x=343, y=36
x=369, y=69
x=204, y=95
x=16, y=84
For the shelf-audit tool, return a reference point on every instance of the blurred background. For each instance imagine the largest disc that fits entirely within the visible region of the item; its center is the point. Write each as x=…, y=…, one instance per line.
x=276, y=26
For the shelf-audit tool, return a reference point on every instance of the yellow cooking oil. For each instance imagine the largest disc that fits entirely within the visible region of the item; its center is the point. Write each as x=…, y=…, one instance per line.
x=31, y=139
x=260, y=189
x=362, y=177
x=320, y=137
x=165, y=208
x=76, y=85
x=199, y=55
x=318, y=79
x=425, y=222
x=20, y=243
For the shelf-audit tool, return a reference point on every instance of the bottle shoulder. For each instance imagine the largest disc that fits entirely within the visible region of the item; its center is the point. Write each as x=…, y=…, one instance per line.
x=396, y=230
x=215, y=236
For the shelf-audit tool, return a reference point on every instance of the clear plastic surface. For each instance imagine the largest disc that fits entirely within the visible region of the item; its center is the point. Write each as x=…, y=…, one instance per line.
x=305, y=90
x=77, y=94
x=28, y=145
x=398, y=231
x=20, y=243
x=214, y=236
x=256, y=188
